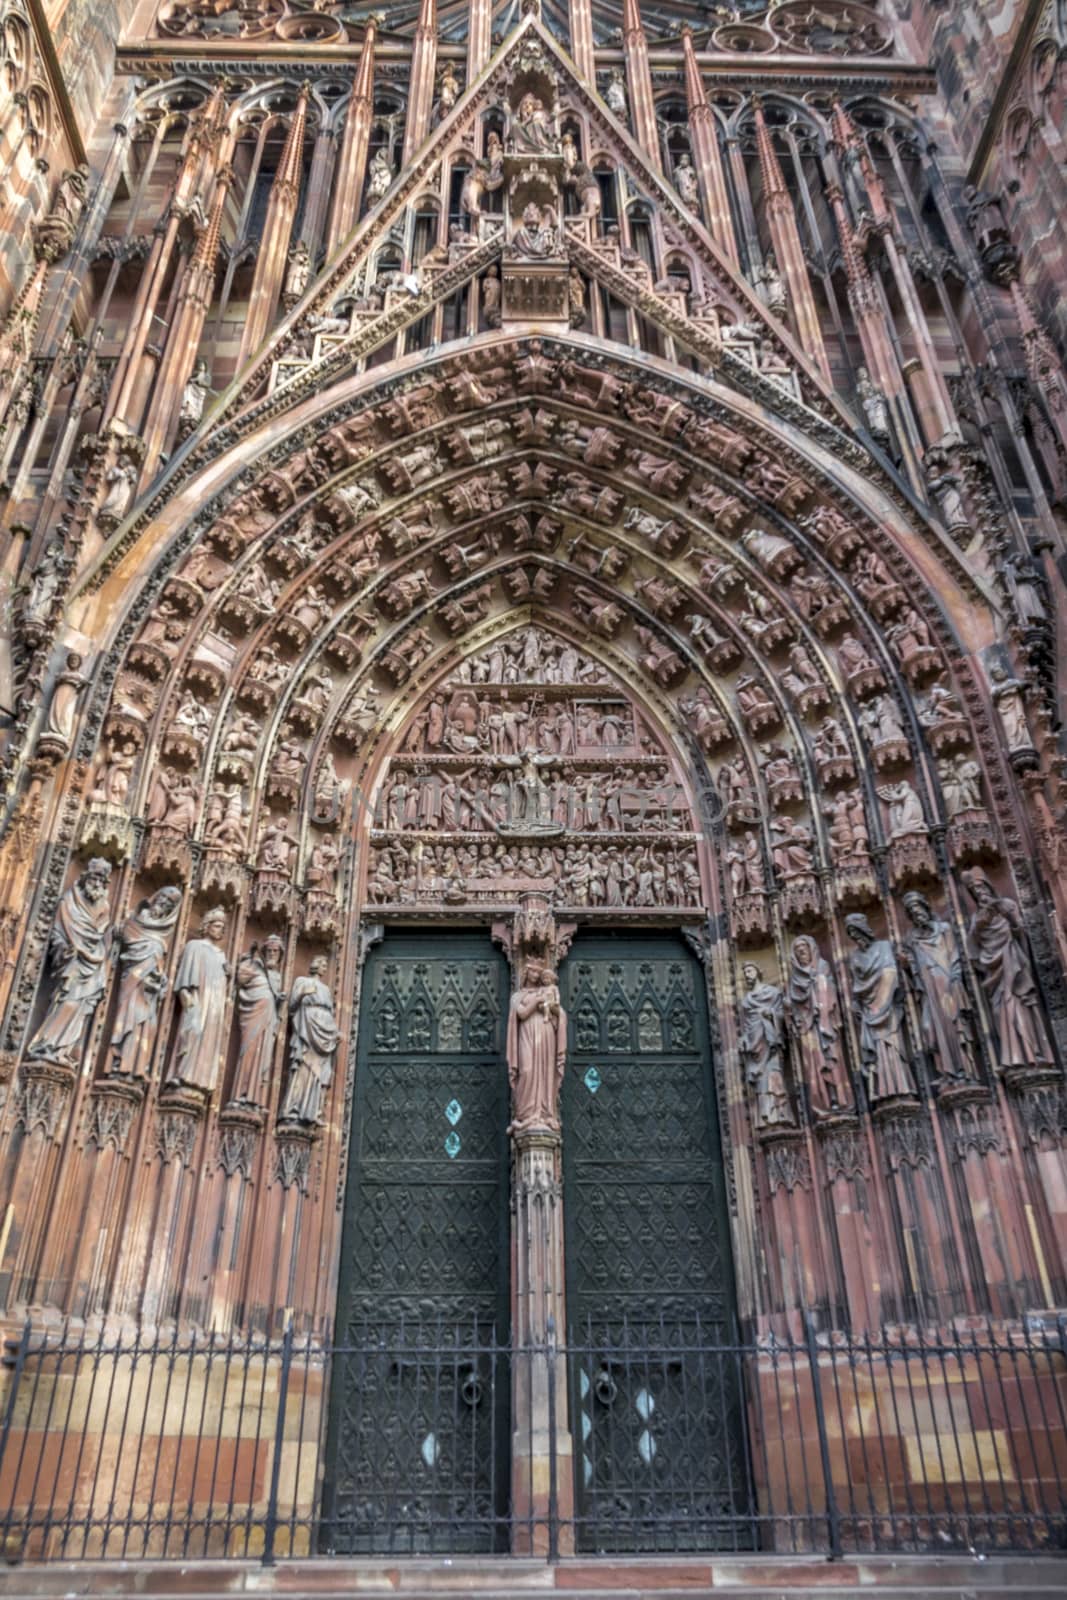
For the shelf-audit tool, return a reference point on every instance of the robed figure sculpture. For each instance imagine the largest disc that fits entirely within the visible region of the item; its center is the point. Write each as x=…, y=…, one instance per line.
x=201, y=984
x=536, y=1048
x=78, y=952
x=312, y=1046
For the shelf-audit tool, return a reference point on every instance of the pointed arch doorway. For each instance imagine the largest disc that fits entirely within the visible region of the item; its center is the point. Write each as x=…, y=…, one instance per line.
x=532, y=768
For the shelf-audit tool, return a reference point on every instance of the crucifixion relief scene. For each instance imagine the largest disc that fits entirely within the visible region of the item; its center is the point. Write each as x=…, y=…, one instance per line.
x=533, y=892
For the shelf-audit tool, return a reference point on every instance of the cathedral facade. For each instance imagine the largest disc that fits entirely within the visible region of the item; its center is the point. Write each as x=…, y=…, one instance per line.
x=531, y=864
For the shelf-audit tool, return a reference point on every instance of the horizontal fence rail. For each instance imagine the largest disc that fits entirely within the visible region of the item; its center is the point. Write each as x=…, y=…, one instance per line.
x=429, y=1438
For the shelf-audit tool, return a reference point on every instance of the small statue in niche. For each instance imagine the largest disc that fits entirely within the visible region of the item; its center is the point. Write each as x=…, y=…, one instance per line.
x=260, y=999
x=142, y=959
x=933, y=955
x=447, y=92
x=615, y=94
x=312, y=1046
x=771, y=288
x=763, y=1048
x=491, y=291
x=298, y=273
x=532, y=126
x=78, y=950
x=200, y=985
x=54, y=234
x=877, y=1000
x=536, y=1050
x=194, y=399
x=45, y=584
x=1008, y=695
x=685, y=180
x=961, y=784
x=998, y=949
x=380, y=177
x=875, y=406
x=536, y=233
x=120, y=479
x=815, y=1024
x=1026, y=585
x=59, y=722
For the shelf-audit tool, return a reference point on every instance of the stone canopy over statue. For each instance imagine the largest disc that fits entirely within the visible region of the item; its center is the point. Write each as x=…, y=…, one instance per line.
x=536, y=1051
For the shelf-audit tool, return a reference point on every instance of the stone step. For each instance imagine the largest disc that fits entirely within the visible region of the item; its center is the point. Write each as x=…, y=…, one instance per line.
x=665, y=1578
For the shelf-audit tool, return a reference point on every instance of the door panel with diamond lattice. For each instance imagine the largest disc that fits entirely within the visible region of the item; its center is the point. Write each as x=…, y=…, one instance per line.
x=419, y=1404
x=659, y=1452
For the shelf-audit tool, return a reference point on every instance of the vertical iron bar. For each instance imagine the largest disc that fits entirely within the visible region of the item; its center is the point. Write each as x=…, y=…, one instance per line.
x=553, y=1495
x=271, y=1520
x=833, y=1516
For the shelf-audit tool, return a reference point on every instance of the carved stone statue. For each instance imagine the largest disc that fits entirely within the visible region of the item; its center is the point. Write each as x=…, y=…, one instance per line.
x=200, y=985
x=875, y=407
x=297, y=273
x=615, y=94
x=933, y=954
x=536, y=233
x=536, y=1050
x=532, y=125
x=142, y=982
x=120, y=479
x=771, y=288
x=312, y=1046
x=54, y=234
x=78, y=950
x=877, y=1001
x=194, y=398
x=260, y=1000
x=59, y=723
x=815, y=1024
x=491, y=290
x=998, y=949
x=46, y=582
x=763, y=1048
x=380, y=177
x=1008, y=694
x=905, y=810
x=685, y=180
x=961, y=784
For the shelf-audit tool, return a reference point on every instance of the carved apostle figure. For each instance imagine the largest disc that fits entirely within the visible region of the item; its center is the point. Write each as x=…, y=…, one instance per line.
x=877, y=1001
x=260, y=999
x=999, y=951
x=815, y=1023
x=536, y=1050
x=934, y=957
x=78, y=952
x=142, y=982
x=200, y=985
x=312, y=1046
x=763, y=1048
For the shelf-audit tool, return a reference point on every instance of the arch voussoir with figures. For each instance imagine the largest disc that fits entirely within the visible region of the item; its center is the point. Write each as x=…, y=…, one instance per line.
x=524, y=621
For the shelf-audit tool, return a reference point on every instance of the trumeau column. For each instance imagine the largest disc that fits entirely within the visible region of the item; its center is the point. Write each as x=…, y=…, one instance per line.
x=536, y=1045
x=639, y=79
x=708, y=156
x=420, y=88
x=355, y=141
x=787, y=246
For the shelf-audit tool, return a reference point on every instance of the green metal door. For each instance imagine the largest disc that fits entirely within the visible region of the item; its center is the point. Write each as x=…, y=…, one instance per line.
x=656, y=1413
x=419, y=1404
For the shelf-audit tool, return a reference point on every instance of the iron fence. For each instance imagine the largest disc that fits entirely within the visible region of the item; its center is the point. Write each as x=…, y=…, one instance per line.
x=425, y=1438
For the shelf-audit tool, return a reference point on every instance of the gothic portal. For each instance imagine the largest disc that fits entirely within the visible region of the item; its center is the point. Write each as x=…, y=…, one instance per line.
x=530, y=856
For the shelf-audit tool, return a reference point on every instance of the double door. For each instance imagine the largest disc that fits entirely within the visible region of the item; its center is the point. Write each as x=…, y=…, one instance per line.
x=419, y=1447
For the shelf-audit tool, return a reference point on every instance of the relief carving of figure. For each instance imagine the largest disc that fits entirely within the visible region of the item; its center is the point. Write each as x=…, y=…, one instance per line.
x=815, y=1024
x=78, y=951
x=200, y=985
x=536, y=1050
x=961, y=784
x=933, y=954
x=999, y=950
x=877, y=1001
x=142, y=959
x=260, y=1000
x=312, y=1046
x=685, y=180
x=380, y=177
x=763, y=1048
x=532, y=126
